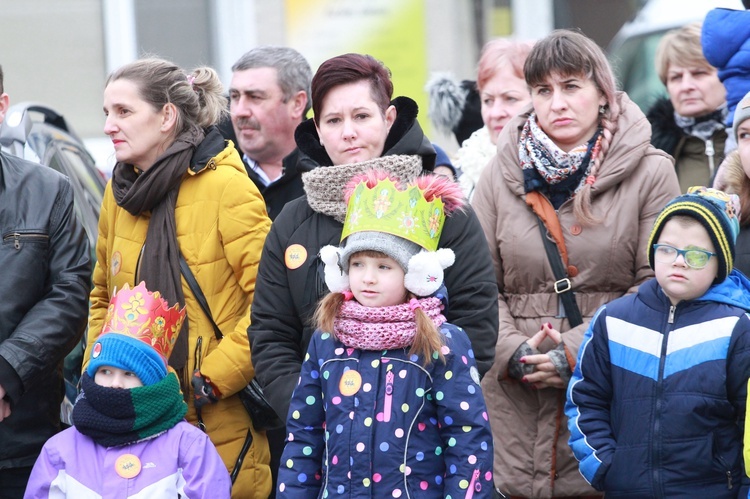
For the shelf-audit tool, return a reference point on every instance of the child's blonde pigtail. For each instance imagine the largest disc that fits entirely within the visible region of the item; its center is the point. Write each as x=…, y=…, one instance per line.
x=428, y=341
x=327, y=310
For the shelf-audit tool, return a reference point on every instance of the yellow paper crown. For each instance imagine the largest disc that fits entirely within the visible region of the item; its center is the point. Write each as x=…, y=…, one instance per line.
x=145, y=316
x=403, y=213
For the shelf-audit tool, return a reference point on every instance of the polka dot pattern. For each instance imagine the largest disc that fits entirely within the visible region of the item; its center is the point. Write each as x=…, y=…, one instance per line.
x=403, y=430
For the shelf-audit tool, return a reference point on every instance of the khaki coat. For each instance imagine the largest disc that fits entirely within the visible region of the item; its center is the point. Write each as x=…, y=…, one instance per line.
x=532, y=457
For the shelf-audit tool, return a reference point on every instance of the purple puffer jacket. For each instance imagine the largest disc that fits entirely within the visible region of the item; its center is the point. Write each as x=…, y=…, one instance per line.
x=182, y=462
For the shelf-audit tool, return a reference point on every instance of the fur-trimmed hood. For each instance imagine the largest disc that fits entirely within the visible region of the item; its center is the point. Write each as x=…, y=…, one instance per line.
x=405, y=137
x=665, y=134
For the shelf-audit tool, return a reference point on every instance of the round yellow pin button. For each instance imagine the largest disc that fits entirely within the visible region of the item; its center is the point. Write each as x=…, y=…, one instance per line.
x=350, y=383
x=295, y=256
x=128, y=466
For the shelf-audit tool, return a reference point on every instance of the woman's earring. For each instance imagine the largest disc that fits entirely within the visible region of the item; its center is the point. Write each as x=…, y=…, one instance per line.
x=602, y=109
x=321, y=142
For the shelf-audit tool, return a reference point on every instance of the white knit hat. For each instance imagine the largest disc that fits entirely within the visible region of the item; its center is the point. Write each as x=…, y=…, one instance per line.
x=395, y=247
x=741, y=113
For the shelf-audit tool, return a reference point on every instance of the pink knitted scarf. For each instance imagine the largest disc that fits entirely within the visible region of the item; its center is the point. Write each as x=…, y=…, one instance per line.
x=382, y=328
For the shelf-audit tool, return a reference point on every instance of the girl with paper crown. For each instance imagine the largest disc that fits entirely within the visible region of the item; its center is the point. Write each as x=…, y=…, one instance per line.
x=130, y=437
x=388, y=388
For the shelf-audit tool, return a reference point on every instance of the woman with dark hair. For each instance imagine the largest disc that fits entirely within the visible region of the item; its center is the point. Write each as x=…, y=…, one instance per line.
x=575, y=182
x=180, y=196
x=356, y=127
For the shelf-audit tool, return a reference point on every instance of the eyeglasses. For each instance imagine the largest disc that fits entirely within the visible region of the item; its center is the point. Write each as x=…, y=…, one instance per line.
x=695, y=258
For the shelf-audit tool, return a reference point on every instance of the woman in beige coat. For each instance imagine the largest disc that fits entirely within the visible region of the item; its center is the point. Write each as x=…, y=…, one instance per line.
x=579, y=159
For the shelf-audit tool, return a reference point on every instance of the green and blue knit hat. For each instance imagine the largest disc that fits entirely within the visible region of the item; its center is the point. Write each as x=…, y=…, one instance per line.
x=717, y=211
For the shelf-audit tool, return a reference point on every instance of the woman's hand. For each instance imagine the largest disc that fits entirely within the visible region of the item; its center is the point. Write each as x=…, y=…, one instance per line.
x=545, y=373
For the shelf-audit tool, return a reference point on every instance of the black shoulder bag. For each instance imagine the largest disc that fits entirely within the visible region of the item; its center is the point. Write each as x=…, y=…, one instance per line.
x=563, y=287
x=261, y=413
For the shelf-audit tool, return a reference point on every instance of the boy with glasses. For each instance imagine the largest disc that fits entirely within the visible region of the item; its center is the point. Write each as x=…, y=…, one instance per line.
x=657, y=399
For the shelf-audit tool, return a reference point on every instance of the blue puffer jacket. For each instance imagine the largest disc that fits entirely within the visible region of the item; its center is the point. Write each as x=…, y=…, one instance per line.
x=379, y=424
x=657, y=400
x=725, y=38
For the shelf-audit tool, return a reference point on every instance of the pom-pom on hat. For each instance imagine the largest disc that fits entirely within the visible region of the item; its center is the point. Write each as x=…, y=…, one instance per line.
x=139, y=334
x=717, y=211
x=403, y=222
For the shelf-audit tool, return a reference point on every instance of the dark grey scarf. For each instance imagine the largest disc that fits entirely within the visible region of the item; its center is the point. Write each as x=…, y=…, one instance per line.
x=155, y=190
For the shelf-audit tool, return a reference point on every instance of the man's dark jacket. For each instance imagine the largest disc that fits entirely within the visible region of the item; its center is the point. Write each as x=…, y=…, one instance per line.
x=285, y=298
x=46, y=279
x=284, y=189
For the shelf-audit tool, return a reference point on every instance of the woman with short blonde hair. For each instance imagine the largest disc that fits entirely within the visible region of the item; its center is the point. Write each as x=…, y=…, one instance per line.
x=690, y=123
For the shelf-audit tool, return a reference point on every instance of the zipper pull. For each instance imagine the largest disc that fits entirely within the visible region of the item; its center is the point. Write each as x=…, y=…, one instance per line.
x=729, y=480
x=473, y=485
x=671, y=314
x=388, y=396
x=710, y=151
x=17, y=241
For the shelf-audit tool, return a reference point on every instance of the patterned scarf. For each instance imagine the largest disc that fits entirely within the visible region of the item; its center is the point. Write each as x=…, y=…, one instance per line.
x=116, y=416
x=705, y=126
x=550, y=170
x=382, y=328
x=324, y=185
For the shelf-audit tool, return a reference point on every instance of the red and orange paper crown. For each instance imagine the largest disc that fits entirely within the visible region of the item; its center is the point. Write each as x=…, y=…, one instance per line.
x=146, y=316
x=139, y=333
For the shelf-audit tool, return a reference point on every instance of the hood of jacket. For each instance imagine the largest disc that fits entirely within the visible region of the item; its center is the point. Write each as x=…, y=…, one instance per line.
x=665, y=134
x=405, y=137
x=632, y=138
x=734, y=290
x=725, y=39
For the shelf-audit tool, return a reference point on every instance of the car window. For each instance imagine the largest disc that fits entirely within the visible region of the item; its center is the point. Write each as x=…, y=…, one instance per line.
x=88, y=187
x=86, y=173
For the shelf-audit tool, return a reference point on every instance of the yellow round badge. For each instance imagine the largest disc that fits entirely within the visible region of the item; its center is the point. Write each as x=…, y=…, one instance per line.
x=128, y=466
x=294, y=256
x=350, y=383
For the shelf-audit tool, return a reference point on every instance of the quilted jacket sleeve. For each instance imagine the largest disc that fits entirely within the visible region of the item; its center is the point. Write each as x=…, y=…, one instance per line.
x=99, y=297
x=472, y=290
x=243, y=226
x=588, y=401
x=276, y=330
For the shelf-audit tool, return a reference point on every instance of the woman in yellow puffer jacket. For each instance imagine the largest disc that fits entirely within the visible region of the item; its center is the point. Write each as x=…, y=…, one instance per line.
x=178, y=188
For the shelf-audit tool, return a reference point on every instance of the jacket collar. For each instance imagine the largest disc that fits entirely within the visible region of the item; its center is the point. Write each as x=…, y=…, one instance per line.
x=733, y=291
x=405, y=137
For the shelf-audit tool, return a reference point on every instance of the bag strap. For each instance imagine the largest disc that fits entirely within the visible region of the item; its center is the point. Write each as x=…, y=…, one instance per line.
x=201, y=298
x=563, y=286
x=198, y=293
x=557, y=253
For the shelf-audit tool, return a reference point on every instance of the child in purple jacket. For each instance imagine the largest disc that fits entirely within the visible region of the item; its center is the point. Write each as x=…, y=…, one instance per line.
x=129, y=437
